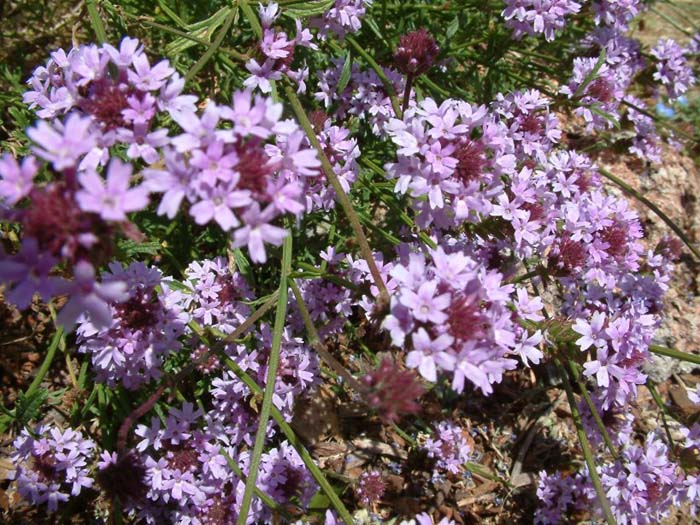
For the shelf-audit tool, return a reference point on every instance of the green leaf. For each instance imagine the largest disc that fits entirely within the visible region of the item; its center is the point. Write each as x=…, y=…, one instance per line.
x=243, y=265
x=177, y=285
x=345, y=73
x=131, y=248
x=453, y=27
x=308, y=8
x=29, y=405
x=202, y=30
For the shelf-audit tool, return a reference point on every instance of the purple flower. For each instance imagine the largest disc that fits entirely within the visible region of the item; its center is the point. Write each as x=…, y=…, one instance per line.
x=591, y=331
x=111, y=200
x=427, y=354
x=672, y=68
x=90, y=297
x=533, y=17
x=51, y=465
x=423, y=303
x=448, y=447
x=257, y=231
x=63, y=144
x=128, y=49
x=16, y=181
x=149, y=78
x=29, y=270
x=216, y=204
x=416, y=52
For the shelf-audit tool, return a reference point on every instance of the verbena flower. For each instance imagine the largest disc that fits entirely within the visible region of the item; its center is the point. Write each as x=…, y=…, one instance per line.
x=672, y=68
x=448, y=447
x=532, y=17
x=51, y=465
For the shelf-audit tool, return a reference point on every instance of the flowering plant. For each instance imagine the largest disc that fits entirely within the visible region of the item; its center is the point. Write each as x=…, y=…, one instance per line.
x=422, y=195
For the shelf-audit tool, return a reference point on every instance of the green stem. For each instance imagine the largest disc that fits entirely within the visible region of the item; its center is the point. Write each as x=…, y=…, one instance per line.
x=267, y=305
x=407, y=93
x=214, y=46
x=585, y=446
x=662, y=121
x=593, y=409
x=637, y=195
x=342, y=197
x=659, y=402
x=296, y=443
x=388, y=86
x=148, y=22
x=671, y=21
x=675, y=354
x=272, y=365
x=480, y=470
x=46, y=364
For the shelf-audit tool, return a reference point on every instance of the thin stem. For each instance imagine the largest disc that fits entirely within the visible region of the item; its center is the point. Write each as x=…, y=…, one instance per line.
x=342, y=197
x=407, y=92
x=480, y=470
x=151, y=23
x=664, y=122
x=46, y=364
x=637, y=195
x=585, y=446
x=267, y=305
x=671, y=21
x=675, y=354
x=317, y=344
x=659, y=402
x=593, y=409
x=272, y=365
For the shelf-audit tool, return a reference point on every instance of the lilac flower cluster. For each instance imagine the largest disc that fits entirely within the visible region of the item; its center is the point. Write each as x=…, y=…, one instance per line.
x=145, y=330
x=329, y=303
x=218, y=299
x=277, y=53
x=364, y=95
x=548, y=203
x=370, y=487
x=117, y=89
x=241, y=175
x=448, y=447
x=188, y=480
x=452, y=313
x=616, y=13
x=344, y=17
x=643, y=486
x=230, y=175
x=51, y=465
x=342, y=152
x=451, y=175
x=672, y=68
x=533, y=17
x=647, y=143
x=598, y=99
